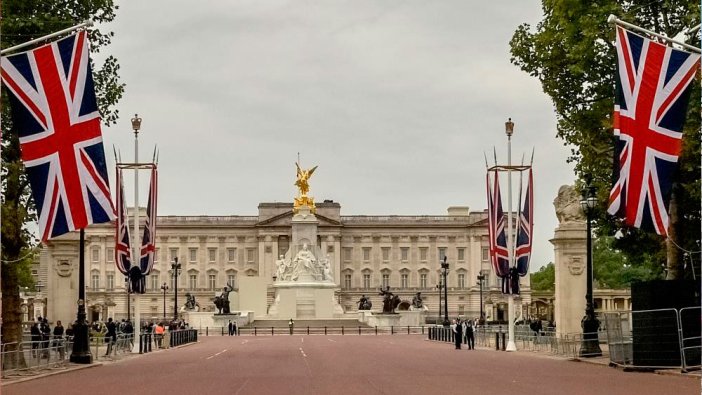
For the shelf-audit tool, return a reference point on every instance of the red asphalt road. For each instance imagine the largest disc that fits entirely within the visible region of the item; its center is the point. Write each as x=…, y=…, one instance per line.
x=348, y=365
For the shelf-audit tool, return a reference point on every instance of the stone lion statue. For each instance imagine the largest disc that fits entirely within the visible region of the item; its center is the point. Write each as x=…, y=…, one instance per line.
x=567, y=205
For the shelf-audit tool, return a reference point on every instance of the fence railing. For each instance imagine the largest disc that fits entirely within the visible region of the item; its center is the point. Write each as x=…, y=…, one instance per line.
x=655, y=339
x=316, y=330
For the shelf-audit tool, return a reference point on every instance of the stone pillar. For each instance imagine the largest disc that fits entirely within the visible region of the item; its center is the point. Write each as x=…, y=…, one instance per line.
x=569, y=244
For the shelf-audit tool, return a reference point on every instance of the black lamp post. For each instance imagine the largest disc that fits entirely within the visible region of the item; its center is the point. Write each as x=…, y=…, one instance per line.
x=444, y=272
x=590, y=346
x=439, y=287
x=175, y=266
x=81, y=351
x=164, y=287
x=481, y=280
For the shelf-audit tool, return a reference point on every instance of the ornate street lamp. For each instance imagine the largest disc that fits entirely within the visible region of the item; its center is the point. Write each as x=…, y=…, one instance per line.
x=164, y=287
x=590, y=346
x=439, y=287
x=481, y=280
x=175, y=266
x=444, y=273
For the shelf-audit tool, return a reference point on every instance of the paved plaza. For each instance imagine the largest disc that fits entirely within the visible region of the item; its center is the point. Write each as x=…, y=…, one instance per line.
x=348, y=365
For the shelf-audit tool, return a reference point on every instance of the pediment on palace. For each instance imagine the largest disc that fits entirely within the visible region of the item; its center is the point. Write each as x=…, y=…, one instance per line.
x=285, y=219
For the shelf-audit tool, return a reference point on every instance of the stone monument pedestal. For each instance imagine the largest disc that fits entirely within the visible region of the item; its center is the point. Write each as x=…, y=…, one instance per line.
x=305, y=301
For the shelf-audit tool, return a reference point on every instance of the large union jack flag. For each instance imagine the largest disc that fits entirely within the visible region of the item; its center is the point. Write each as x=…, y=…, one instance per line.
x=148, y=242
x=649, y=113
x=122, y=248
x=499, y=255
x=525, y=229
x=56, y=117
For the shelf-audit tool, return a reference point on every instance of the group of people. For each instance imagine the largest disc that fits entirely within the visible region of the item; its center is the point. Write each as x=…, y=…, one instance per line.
x=43, y=336
x=233, y=330
x=464, y=332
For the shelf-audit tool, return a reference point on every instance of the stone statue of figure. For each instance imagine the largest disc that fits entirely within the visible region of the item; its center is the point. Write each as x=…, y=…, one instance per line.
x=326, y=270
x=390, y=300
x=567, y=205
x=302, y=179
x=282, y=268
x=417, y=302
x=190, y=303
x=304, y=262
x=222, y=301
x=364, y=303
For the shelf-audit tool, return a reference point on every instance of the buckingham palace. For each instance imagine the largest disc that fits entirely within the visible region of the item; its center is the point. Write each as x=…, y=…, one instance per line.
x=366, y=253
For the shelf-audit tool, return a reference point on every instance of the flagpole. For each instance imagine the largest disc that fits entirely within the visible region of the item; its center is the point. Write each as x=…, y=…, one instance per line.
x=509, y=129
x=613, y=19
x=87, y=23
x=136, y=261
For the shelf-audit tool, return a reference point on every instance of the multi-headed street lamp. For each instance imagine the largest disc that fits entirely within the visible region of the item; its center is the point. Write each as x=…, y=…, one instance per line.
x=444, y=273
x=590, y=344
x=164, y=287
x=175, y=267
x=481, y=280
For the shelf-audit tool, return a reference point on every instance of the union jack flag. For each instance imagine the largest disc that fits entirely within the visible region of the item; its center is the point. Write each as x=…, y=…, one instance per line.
x=148, y=246
x=649, y=113
x=122, y=249
x=499, y=255
x=525, y=230
x=56, y=116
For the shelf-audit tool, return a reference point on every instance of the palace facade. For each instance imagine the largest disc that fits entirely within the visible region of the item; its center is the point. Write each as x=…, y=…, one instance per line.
x=367, y=252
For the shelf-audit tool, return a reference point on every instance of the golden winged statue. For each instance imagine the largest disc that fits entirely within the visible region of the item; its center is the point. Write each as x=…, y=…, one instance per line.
x=303, y=185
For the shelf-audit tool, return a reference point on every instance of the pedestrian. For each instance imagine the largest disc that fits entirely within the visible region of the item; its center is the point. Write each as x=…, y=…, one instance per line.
x=111, y=336
x=236, y=330
x=45, y=330
x=158, y=334
x=36, y=338
x=291, y=324
x=470, y=337
x=457, y=333
x=129, y=332
x=231, y=328
x=58, y=339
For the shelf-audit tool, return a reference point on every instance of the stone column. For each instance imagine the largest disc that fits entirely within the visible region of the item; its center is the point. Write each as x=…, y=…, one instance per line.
x=570, y=252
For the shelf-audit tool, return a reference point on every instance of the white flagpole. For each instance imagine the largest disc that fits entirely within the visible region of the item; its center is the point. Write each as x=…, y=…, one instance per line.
x=613, y=19
x=87, y=23
x=136, y=261
x=509, y=128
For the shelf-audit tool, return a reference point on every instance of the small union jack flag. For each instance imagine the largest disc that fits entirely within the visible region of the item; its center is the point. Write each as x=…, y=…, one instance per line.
x=525, y=229
x=56, y=117
x=148, y=246
x=499, y=255
x=122, y=249
x=649, y=113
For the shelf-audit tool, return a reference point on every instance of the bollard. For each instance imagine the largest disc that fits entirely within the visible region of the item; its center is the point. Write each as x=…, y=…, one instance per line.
x=408, y=330
x=272, y=331
x=503, y=341
x=376, y=330
x=254, y=331
x=359, y=330
x=342, y=330
x=141, y=342
x=308, y=329
x=497, y=341
x=422, y=329
x=392, y=330
x=222, y=331
x=207, y=331
x=325, y=329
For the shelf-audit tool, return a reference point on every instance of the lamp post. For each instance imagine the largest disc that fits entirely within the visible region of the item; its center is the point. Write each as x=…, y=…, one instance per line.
x=444, y=273
x=136, y=126
x=509, y=131
x=590, y=344
x=481, y=280
x=175, y=266
x=164, y=287
x=439, y=287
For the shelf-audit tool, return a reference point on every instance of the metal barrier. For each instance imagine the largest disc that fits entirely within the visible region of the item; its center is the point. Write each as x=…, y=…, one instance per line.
x=29, y=358
x=182, y=336
x=321, y=330
x=690, y=342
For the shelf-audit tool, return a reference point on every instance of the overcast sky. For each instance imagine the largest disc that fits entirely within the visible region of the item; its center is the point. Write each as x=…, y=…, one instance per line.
x=396, y=101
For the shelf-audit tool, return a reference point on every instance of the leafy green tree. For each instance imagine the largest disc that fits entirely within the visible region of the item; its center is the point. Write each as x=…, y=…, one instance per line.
x=544, y=279
x=24, y=20
x=572, y=53
x=614, y=270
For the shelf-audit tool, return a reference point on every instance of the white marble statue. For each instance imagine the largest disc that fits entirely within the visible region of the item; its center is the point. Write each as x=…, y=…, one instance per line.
x=304, y=263
x=567, y=205
x=326, y=271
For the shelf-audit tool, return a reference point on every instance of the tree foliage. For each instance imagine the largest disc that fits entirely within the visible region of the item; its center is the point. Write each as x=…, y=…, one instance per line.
x=22, y=21
x=544, y=279
x=572, y=53
x=615, y=270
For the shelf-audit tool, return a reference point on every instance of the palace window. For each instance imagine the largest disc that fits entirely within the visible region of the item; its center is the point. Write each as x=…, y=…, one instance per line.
x=110, y=255
x=110, y=281
x=192, y=281
x=154, y=282
x=386, y=280
x=386, y=254
x=484, y=253
x=156, y=252
x=461, y=280
x=212, y=255
x=347, y=281
x=192, y=255
x=442, y=253
x=366, y=254
x=461, y=254
x=173, y=254
x=423, y=253
x=250, y=255
x=404, y=254
x=212, y=281
x=95, y=281
x=95, y=254
x=366, y=280
x=404, y=280
x=231, y=279
x=231, y=254
x=348, y=251
x=422, y=280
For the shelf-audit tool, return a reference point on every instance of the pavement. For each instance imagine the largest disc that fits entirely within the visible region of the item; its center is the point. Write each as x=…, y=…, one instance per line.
x=400, y=364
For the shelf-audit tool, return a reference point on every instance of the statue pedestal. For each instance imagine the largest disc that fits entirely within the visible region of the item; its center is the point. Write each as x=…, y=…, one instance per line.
x=571, y=283
x=384, y=320
x=202, y=320
x=305, y=301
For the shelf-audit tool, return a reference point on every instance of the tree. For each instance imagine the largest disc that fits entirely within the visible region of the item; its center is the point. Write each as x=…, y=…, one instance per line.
x=544, y=279
x=24, y=20
x=614, y=270
x=572, y=53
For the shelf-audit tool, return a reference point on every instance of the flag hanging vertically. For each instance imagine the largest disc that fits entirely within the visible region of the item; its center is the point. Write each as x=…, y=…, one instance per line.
x=55, y=113
x=525, y=229
x=148, y=246
x=122, y=247
x=499, y=256
x=650, y=106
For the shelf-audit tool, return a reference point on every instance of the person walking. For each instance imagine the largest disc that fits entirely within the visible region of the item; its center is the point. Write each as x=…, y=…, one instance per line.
x=158, y=334
x=235, y=329
x=231, y=328
x=470, y=337
x=111, y=335
x=36, y=338
x=58, y=339
x=45, y=330
x=457, y=333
